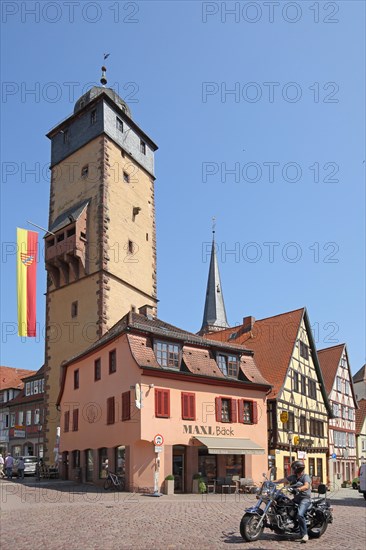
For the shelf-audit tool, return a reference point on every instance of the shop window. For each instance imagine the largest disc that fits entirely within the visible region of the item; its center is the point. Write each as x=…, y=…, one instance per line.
x=286, y=466
x=75, y=420
x=76, y=379
x=207, y=465
x=167, y=355
x=120, y=461
x=234, y=465
x=248, y=411
x=126, y=406
x=162, y=403
x=103, y=463
x=66, y=421
x=110, y=410
x=225, y=409
x=75, y=459
x=89, y=460
x=112, y=361
x=188, y=406
x=97, y=369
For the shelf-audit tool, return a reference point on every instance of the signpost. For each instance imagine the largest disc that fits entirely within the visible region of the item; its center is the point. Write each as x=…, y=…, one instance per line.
x=284, y=417
x=158, y=442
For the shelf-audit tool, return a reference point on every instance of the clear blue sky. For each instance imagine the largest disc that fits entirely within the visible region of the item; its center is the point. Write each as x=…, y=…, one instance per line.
x=298, y=79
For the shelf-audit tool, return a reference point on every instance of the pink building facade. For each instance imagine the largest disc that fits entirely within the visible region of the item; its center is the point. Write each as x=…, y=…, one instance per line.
x=143, y=379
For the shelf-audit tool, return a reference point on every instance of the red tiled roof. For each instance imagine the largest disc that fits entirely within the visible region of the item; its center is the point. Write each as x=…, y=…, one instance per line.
x=198, y=361
x=22, y=398
x=142, y=351
x=12, y=378
x=329, y=359
x=360, y=415
x=272, y=340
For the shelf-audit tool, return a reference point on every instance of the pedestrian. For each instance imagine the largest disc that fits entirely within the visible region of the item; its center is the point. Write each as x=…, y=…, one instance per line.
x=302, y=496
x=1, y=466
x=9, y=463
x=21, y=467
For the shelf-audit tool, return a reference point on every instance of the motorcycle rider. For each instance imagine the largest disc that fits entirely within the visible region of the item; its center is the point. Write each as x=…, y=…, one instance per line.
x=302, y=494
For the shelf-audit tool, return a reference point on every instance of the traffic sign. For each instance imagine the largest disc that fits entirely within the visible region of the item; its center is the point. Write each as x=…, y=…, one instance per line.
x=158, y=448
x=334, y=455
x=158, y=440
x=284, y=417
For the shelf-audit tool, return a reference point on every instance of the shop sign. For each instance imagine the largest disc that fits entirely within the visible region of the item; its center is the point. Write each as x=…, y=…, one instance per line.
x=19, y=433
x=207, y=430
x=284, y=417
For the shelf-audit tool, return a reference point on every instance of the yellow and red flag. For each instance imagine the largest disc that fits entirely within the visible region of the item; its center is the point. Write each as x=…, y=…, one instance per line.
x=27, y=245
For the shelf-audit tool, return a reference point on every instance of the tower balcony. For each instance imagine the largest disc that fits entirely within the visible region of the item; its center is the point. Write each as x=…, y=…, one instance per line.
x=65, y=256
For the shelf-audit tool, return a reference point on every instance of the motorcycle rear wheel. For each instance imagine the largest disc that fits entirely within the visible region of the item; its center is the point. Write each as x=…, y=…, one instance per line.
x=318, y=530
x=249, y=529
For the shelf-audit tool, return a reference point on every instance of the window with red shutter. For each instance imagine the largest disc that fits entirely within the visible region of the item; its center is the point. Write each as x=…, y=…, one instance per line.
x=233, y=411
x=75, y=420
x=218, y=408
x=162, y=403
x=126, y=406
x=110, y=410
x=188, y=406
x=66, y=421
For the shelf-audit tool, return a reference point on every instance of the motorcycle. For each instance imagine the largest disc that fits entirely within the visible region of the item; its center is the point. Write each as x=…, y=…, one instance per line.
x=276, y=511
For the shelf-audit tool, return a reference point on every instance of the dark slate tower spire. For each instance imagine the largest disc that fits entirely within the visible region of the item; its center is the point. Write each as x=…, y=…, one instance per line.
x=214, y=316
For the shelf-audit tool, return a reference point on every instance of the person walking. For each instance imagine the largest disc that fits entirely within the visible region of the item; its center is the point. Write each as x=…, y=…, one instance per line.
x=1, y=466
x=9, y=463
x=21, y=467
x=301, y=483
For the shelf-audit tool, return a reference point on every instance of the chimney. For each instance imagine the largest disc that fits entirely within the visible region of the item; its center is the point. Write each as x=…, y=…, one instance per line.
x=248, y=323
x=147, y=311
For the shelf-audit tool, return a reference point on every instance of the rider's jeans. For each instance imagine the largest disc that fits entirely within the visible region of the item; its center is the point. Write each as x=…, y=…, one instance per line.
x=303, y=508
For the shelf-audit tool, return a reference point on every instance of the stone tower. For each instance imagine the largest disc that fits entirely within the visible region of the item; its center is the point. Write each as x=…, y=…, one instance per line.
x=100, y=251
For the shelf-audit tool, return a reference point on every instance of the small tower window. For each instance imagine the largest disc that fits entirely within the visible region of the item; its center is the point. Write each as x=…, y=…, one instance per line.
x=130, y=247
x=66, y=136
x=126, y=177
x=60, y=237
x=85, y=171
x=119, y=124
x=71, y=232
x=74, y=309
x=142, y=147
x=93, y=117
x=147, y=236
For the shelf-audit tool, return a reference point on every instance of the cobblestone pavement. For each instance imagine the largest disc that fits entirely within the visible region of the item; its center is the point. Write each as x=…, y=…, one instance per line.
x=64, y=516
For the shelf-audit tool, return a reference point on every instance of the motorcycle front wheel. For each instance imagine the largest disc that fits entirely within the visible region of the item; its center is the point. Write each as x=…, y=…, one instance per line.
x=318, y=530
x=249, y=528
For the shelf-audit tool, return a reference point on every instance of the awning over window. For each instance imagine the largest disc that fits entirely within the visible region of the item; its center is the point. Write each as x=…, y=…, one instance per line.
x=230, y=446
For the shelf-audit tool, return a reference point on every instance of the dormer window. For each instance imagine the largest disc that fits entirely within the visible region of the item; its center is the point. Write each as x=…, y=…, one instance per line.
x=167, y=355
x=228, y=364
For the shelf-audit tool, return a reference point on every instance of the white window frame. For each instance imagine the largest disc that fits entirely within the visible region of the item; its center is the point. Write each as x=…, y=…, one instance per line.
x=12, y=420
x=36, y=416
x=20, y=418
x=28, y=418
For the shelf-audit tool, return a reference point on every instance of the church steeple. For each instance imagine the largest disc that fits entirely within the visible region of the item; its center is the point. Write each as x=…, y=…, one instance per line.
x=214, y=316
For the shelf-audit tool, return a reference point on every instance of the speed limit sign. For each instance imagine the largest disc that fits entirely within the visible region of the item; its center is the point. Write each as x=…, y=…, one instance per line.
x=158, y=440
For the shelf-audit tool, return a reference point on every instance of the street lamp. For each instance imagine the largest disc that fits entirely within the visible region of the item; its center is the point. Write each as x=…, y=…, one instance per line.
x=39, y=427
x=289, y=435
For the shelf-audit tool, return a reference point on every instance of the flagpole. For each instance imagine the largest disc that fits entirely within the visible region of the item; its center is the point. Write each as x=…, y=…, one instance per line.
x=42, y=228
